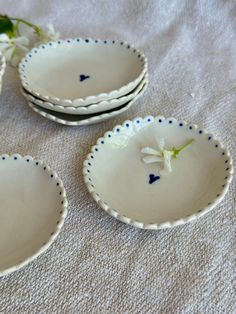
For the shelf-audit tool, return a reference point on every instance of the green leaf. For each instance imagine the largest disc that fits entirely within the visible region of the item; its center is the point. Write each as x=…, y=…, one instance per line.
x=6, y=26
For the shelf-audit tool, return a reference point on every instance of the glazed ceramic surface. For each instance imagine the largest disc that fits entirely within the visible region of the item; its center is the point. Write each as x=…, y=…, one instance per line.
x=79, y=120
x=133, y=192
x=2, y=69
x=79, y=72
x=32, y=210
x=91, y=109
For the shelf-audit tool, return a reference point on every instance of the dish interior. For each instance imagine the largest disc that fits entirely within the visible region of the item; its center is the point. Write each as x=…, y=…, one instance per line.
x=78, y=70
x=29, y=209
x=121, y=178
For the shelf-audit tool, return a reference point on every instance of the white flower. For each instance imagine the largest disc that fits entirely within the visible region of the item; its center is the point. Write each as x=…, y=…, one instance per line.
x=161, y=155
x=50, y=34
x=13, y=48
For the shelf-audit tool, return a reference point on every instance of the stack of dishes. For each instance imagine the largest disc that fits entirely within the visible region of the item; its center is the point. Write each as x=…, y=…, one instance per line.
x=2, y=69
x=83, y=81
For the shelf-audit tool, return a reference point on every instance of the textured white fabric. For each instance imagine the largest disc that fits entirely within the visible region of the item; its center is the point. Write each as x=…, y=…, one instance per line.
x=97, y=264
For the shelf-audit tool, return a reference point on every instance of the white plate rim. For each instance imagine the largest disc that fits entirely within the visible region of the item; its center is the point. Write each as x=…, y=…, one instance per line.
x=63, y=212
x=86, y=109
x=95, y=119
x=168, y=224
x=92, y=98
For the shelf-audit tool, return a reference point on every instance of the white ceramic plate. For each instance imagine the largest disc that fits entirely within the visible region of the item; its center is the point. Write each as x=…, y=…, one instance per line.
x=32, y=210
x=2, y=69
x=79, y=72
x=91, y=109
x=119, y=180
x=79, y=120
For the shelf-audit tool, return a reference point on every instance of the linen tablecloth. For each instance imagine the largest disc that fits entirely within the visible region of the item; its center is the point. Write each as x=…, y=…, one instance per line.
x=97, y=264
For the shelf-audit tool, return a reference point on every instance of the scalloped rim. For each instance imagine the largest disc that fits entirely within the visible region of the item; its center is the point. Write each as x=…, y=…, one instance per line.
x=167, y=224
x=87, y=109
x=60, y=222
x=89, y=99
x=95, y=119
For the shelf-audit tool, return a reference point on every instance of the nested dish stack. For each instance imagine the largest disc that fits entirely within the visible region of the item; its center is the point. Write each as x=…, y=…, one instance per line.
x=83, y=81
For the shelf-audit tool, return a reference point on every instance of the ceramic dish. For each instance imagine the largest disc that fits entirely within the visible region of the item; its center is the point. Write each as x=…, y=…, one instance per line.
x=79, y=120
x=91, y=109
x=2, y=69
x=32, y=210
x=79, y=72
x=135, y=193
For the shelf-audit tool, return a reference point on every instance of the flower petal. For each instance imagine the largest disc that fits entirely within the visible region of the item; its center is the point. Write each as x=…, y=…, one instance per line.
x=150, y=151
x=160, y=143
x=21, y=41
x=4, y=38
x=167, y=162
x=151, y=159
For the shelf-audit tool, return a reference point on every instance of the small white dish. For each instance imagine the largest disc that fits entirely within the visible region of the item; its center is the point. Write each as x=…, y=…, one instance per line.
x=79, y=72
x=120, y=182
x=2, y=69
x=79, y=120
x=32, y=210
x=91, y=109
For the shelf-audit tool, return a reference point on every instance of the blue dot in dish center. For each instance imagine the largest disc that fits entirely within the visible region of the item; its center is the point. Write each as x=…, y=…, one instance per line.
x=181, y=124
x=102, y=142
x=148, y=120
x=190, y=128
x=209, y=138
x=3, y=158
x=216, y=145
x=170, y=121
x=160, y=120
x=51, y=175
x=138, y=121
x=27, y=160
x=37, y=163
x=127, y=125
x=15, y=158
x=96, y=149
x=109, y=135
x=117, y=130
x=86, y=40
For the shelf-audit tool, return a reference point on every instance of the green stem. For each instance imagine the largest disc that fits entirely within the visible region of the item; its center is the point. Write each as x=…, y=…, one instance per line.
x=36, y=28
x=177, y=151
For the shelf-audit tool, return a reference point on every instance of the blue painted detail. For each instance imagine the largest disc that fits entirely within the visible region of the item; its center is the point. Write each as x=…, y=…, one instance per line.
x=127, y=125
x=170, y=121
x=227, y=169
x=96, y=149
x=209, y=138
x=190, y=128
x=37, y=163
x=86, y=40
x=153, y=178
x=223, y=153
x=200, y=132
x=102, y=142
x=15, y=158
x=160, y=120
x=216, y=145
x=83, y=77
x=226, y=161
x=77, y=39
x=149, y=120
x=3, y=158
x=181, y=124
x=117, y=130
x=105, y=41
x=51, y=175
